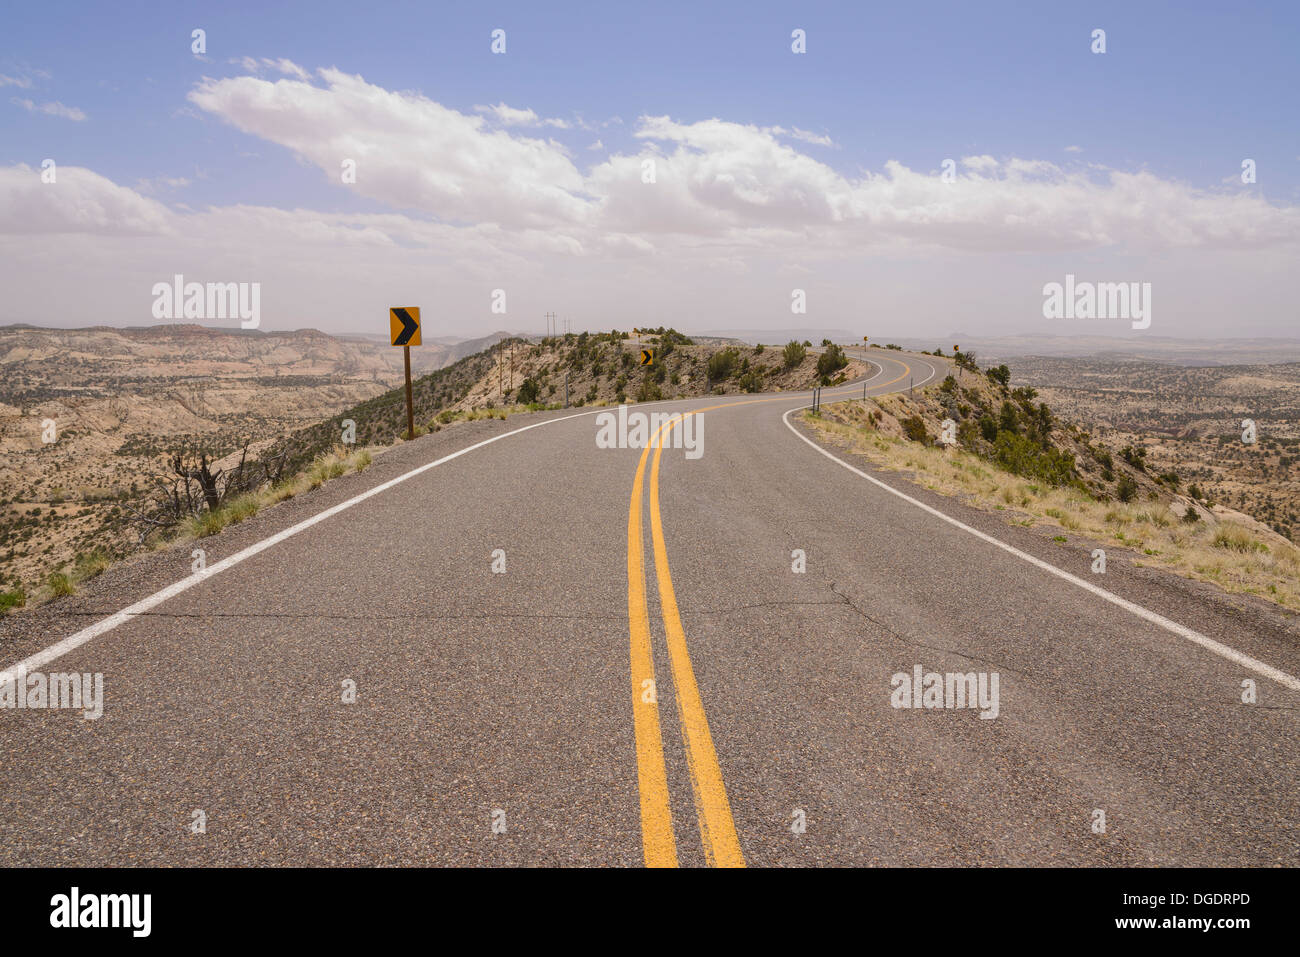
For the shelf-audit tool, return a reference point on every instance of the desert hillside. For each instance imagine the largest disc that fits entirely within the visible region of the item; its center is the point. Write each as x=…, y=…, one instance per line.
x=121, y=404
x=1189, y=420
x=116, y=402
x=600, y=369
x=999, y=446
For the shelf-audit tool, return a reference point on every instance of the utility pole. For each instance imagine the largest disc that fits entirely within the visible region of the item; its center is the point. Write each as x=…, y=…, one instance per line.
x=550, y=323
x=566, y=389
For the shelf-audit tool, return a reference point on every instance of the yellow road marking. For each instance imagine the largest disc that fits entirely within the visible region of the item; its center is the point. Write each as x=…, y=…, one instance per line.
x=657, y=843
x=717, y=827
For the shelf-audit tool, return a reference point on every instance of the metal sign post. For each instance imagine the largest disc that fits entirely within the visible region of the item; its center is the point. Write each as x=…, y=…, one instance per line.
x=404, y=331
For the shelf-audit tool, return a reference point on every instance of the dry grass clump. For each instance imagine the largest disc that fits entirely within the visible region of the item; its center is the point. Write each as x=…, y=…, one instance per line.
x=1228, y=554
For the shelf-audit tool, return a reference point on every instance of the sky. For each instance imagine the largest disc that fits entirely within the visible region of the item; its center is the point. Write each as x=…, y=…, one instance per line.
x=917, y=169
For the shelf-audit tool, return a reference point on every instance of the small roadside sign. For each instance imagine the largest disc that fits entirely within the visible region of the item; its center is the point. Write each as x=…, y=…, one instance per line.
x=404, y=330
x=404, y=325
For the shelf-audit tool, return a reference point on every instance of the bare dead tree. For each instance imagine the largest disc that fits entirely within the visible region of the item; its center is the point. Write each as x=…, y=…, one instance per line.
x=201, y=473
x=194, y=485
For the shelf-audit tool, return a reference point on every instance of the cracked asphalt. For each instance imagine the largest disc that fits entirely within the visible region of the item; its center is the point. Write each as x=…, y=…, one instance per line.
x=505, y=698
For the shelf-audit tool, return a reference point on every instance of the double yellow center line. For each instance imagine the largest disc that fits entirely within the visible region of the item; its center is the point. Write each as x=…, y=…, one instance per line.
x=717, y=828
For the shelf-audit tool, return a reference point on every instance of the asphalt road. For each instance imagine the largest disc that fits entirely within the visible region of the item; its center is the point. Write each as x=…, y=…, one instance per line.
x=649, y=680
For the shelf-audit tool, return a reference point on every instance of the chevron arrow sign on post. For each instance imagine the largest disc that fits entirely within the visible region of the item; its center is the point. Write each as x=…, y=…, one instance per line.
x=404, y=330
x=404, y=325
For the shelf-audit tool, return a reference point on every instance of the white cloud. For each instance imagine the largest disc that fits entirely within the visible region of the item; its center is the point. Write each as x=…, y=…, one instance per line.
x=254, y=65
x=509, y=116
x=1074, y=149
x=18, y=81
x=811, y=137
x=475, y=201
x=160, y=183
x=717, y=181
x=51, y=109
x=78, y=201
x=411, y=152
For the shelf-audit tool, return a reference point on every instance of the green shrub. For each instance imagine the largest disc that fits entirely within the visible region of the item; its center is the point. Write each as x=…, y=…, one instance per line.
x=793, y=354
x=528, y=392
x=245, y=506
x=649, y=391
x=1023, y=456
x=914, y=429
x=1008, y=419
x=832, y=360
x=16, y=598
x=723, y=363
x=210, y=523
x=92, y=563
x=1135, y=457
x=1126, y=489
x=60, y=584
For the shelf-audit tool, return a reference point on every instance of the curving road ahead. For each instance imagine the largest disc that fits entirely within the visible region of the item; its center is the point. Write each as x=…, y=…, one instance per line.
x=652, y=678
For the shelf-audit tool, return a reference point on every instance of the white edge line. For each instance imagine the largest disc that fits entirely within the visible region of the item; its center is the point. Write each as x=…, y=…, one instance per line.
x=61, y=648
x=1222, y=650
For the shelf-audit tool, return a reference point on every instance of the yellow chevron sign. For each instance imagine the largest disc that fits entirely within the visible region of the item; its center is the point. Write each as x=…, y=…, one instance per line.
x=404, y=325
